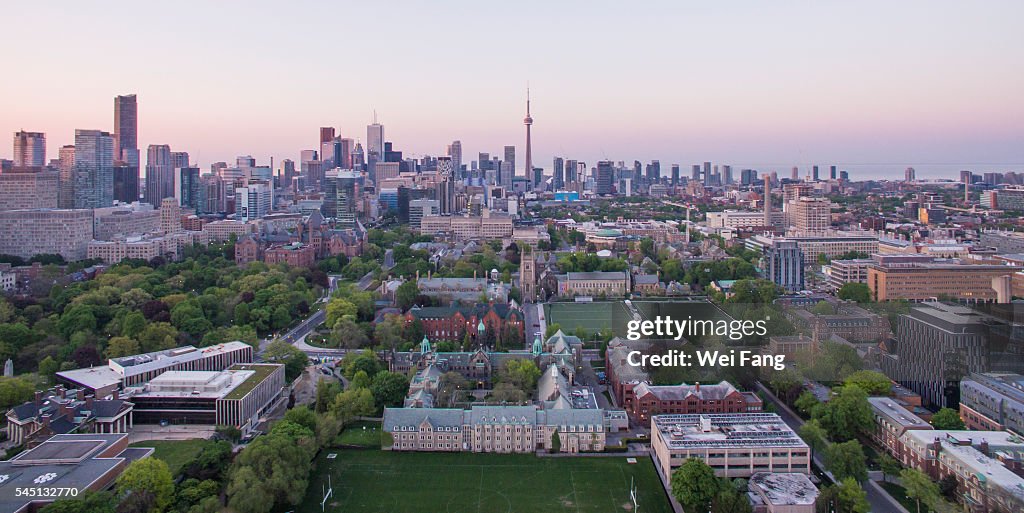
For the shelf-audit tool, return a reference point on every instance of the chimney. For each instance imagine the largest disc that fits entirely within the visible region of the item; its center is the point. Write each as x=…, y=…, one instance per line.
x=115, y=394
x=88, y=402
x=697, y=387
x=61, y=392
x=983, y=447
x=38, y=397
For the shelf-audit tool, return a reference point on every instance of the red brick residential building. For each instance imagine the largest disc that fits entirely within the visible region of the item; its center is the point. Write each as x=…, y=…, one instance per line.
x=690, y=399
x=452, y=323
x=295, y=254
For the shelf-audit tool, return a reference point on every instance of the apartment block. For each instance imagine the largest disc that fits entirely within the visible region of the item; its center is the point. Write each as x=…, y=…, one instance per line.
x=993, y=401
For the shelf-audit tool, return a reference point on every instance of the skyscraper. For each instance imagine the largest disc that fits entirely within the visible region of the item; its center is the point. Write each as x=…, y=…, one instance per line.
x=375, y=140
x=455, y=152
x=126, y=182
x=327, y=134
x=675, y=175
x=727, y=175
x=786, y=265
x=707, y=173
x=832, y=172
x=159, y=174
x=558, y=174
x=186, y=186
x=528, y=121
x=66, y=179
x=605, y=177
x=126, y=129
x=94, y=169
x=909, y=175
x=814, y=173
x=29, y=149
x=510, y=158
x=446, y=185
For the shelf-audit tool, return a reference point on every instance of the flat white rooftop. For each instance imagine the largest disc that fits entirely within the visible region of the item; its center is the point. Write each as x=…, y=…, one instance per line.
x=725, y=431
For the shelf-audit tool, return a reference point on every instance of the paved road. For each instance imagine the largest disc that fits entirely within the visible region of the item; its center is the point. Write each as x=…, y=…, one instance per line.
x=535, y=323
x=880, y=501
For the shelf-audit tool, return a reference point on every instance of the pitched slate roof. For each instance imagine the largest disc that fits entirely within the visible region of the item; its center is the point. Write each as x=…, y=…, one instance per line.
x=396, y=418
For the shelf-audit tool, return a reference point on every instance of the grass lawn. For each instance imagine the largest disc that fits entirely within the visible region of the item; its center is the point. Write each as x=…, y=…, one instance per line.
x=361, y=434
x=176, y=453
x=386, y=482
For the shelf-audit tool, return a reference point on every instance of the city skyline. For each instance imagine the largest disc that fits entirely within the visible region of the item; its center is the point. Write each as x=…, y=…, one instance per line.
x=769, y=91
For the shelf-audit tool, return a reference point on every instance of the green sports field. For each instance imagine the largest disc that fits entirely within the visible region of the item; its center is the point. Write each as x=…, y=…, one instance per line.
x=393, y=482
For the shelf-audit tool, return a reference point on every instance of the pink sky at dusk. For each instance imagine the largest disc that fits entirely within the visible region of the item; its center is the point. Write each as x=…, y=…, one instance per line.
x=740, y=83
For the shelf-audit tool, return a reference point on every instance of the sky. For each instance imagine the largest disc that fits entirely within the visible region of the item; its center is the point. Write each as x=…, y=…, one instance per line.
x=866, y=85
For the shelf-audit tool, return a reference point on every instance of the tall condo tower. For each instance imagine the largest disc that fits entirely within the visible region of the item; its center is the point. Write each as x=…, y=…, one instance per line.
x=528, y=121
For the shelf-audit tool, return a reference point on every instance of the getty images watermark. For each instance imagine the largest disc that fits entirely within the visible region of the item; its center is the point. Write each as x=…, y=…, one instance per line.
x=677, y=329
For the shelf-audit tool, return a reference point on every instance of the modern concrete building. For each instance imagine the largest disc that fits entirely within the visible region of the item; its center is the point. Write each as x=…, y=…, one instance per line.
x=935, y=343
x=786, y=265
x=133, y=370
x=488, y=226
x=810, y=215
x=923, y=281
x=30, y=232
x=831, y=246
x=734, y=445
x=28, y=188
x=841, y=272
x=236, y=396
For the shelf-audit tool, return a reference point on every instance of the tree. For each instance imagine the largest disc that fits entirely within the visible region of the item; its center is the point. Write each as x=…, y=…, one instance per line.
x=14, y=391
x=948, y=418
x=730, y=500
x=822, y=308
x=149, y=476
x=360, y=380
x=806, y=402
x=364, y=360
x=814, y=436
x=948, y=486
x=847, y=496
x=294, y=360
x=302, y=416
x=556, y=442
x=406, y=294
x=388, y=332
x=157, y=336
x=520, y=373
x=847, y=414
x=338, y=309
x=872, y=382
x=919, y=487
x=858, y=292
x=274, y=469
x=694, y=485
x=889, y=466
x=347, y=334
x=389, y=389
x=121, y=346
x=847, y=459
x=352, y=403
x=508, y=393
x=326, y=392
x=48, y=368
x=448, y=388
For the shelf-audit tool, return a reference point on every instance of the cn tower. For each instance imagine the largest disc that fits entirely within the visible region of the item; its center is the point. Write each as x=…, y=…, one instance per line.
x=528, y=121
